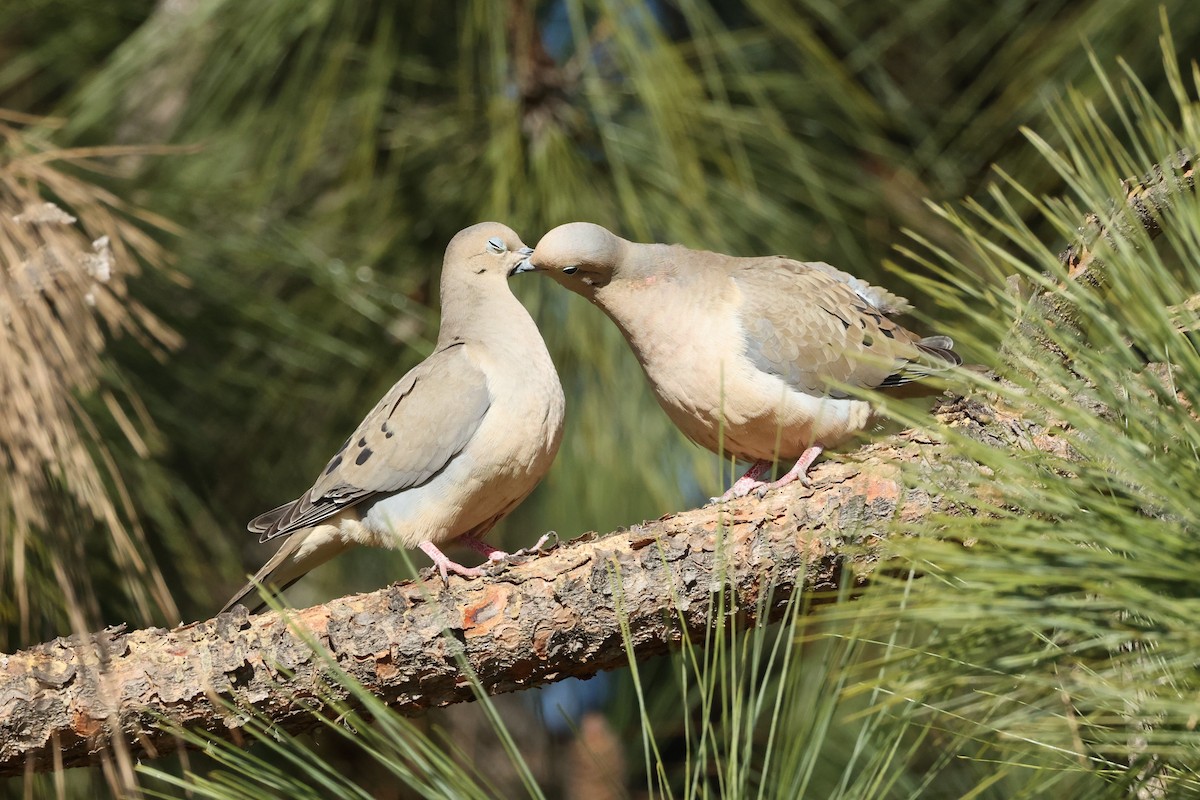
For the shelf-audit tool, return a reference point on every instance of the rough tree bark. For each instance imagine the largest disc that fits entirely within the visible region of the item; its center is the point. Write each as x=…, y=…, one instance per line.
x=559, y=615
x=539, y=621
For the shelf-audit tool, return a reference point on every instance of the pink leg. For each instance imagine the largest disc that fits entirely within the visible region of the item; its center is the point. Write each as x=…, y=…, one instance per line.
x=445, y=565
x=747, y=483
x=539, y=544
x=799, y=472
x=494, y=554
x=489, y=552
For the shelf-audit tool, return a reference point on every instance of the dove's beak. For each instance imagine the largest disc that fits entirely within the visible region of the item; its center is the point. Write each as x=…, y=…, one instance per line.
x=524, y=265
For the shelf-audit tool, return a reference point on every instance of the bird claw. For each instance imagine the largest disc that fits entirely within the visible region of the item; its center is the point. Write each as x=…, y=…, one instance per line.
x=460, y=570
x=499, y=561
x=745, y=484
x=434, y=571
x=750, y=483
x=539, y=547
x=445, y=566
x=765, y=488
x=735, y=492
x=492, y=568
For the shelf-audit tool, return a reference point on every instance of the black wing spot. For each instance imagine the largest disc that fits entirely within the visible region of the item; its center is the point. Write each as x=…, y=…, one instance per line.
x=389, y=434
x=868, y=340
x=335, y=463
x=401, y=397
x=845, y=322
x=362, y=442
x=456, y=343
x=363, y=456
x=869, y=311
x=887, y=332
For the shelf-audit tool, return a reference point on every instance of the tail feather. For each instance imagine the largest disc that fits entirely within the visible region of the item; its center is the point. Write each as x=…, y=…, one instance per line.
x=940, y=347
x=301, y=552
x=268, y=521
x=248, y=595
x=936, y=354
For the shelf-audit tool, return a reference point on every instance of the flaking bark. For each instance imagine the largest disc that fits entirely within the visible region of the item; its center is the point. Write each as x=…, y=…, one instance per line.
x=539, y=621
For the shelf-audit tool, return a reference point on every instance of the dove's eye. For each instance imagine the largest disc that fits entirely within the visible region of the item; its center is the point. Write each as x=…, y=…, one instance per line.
x=571, y=270
x=496, y=245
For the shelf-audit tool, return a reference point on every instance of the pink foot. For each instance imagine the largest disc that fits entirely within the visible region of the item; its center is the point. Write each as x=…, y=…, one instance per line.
x=489, y=552
x=495, y=555
x=799, y=472
x=445, y=565
x=745, y=484
x=539, y=544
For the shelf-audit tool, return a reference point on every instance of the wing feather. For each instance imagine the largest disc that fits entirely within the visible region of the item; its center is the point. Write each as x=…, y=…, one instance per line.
x=411, y=435
x=816, y=327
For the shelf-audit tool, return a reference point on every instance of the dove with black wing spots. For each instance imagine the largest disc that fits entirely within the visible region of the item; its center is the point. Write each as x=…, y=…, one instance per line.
x=452, y=448
x=748, y=356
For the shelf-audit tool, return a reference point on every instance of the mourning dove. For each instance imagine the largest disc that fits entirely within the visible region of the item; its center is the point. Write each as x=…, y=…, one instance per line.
x=452, y=448
x=748, y=356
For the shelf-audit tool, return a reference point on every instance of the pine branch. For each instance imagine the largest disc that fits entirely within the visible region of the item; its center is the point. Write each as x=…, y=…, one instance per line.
x=556, y=616
x=540, y=621
x=1147, y=200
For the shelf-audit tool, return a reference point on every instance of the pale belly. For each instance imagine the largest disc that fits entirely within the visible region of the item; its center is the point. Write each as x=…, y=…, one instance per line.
x=695, y=365
x=751, y=415
x=477, y=488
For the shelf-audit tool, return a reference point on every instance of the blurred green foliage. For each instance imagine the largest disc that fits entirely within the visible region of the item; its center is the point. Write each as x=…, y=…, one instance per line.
x=332, y=149
x=341, y=145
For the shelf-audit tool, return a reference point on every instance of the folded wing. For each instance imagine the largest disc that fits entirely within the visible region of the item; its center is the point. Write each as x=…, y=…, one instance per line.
x=411, y=435
x=817, y=328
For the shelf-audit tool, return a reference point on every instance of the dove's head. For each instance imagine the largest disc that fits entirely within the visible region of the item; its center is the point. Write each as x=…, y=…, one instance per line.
x=579, y=255
x=488, y=248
